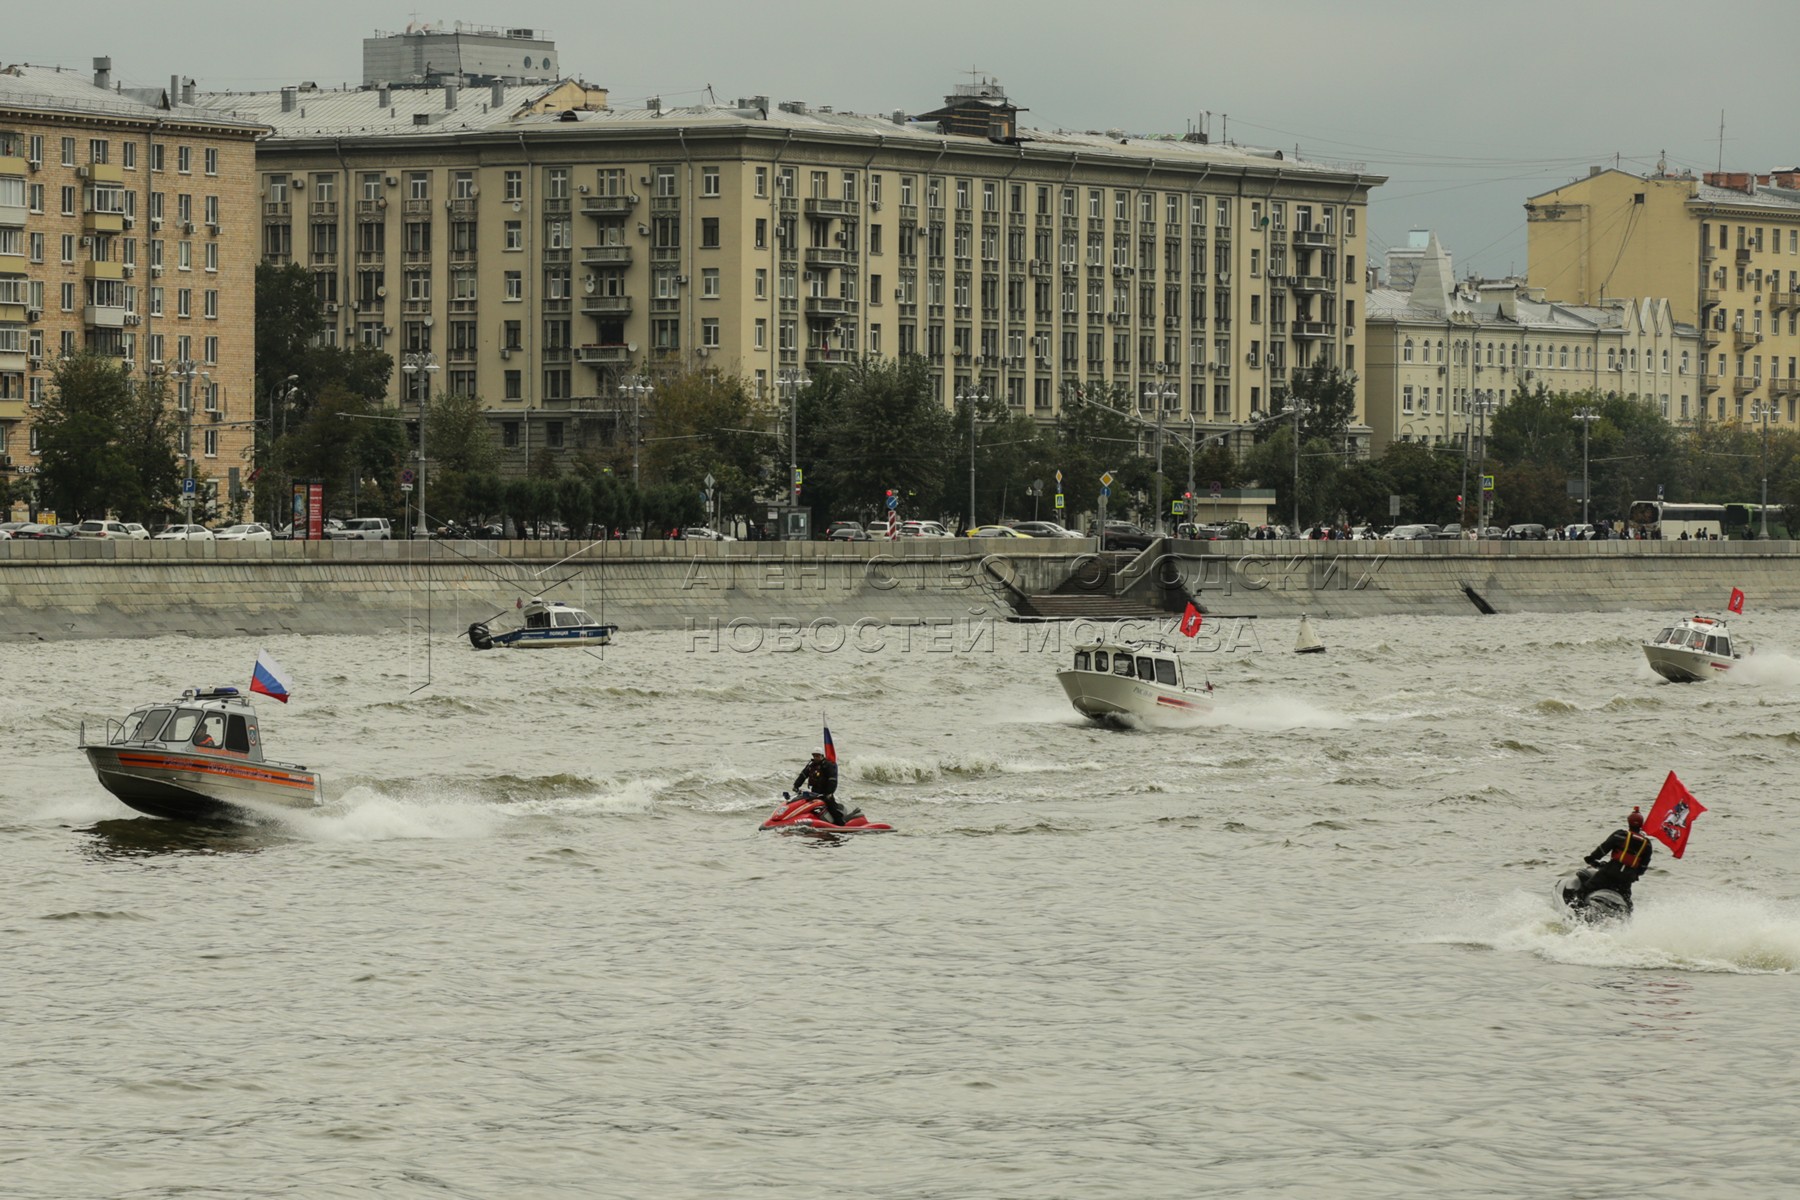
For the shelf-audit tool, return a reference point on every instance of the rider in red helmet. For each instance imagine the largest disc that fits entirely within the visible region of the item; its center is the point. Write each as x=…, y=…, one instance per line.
x=1626, y=855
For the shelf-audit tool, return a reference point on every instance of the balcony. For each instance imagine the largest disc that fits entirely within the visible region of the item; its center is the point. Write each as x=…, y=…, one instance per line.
x=371, y=210
x=104, y=316
x=463, y=209
x=606, y=306
x=1784, y=387
x=1709, y=296
x=829, y=307
x=1785, y=300
x=277, y=210
x=324, y=210
x=1712, y=337
x=94, y=221
x=603, y=356
x=101, y=270
x=1745, y=338
x=1314, y=329
x=606, y=256
x=13, y=264
x=1743, y=385
x=830, y=208
x=608, y=206
x=418, y=208
x=823, y=258
x=1321, y=238
x=1314, y=283
x=821, y=357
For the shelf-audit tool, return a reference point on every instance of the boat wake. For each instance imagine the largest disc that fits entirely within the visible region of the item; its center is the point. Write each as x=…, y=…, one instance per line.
x=1709, y=933
x=1766, y=669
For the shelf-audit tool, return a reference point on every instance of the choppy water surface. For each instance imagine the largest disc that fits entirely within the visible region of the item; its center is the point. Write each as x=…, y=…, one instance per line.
x=536, y=947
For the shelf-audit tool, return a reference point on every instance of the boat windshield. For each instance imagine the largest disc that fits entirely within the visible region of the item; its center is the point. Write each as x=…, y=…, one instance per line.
x=211, y=733
x=1662, y=637
x=1081, y=660
x=1695, y=639
x=1165, y=672
x=537, y=620
x=181, y=728
x=1101, y=662
x=572, y=616
x=143, y=725
x=1122, y=664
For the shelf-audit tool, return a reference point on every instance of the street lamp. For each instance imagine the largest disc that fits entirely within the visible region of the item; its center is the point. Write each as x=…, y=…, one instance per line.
x=420, y=364
x=1296, y=408
x=1481, y=406
x=968, y=394
x=638, y=389
x=1587, y=416
x=186, y=370
x=1163, y=392
x=792, y=382
x=1759, y=411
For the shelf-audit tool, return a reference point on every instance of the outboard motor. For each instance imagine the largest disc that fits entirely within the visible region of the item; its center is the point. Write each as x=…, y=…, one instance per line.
x=479, y=637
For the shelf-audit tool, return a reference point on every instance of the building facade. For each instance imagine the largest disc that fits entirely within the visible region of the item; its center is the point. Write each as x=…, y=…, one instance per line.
x=1724, y=248
x=1445, y=355
x=128, y=227
x=551, y=252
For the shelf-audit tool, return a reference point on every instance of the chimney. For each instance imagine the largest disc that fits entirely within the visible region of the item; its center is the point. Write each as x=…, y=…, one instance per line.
x=174, y=90
x=187, y=91
x=103, y=73
x=290, y=99
x=499, y=94
x=383, y=96
x=449, y=96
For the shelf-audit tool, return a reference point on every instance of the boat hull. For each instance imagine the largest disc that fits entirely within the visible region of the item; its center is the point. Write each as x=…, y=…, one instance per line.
x=189, y=786
x=1121, y=700
x=1683, y=665
x=554, y=639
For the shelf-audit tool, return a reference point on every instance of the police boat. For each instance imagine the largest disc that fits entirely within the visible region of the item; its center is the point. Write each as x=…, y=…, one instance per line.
x=548, y=624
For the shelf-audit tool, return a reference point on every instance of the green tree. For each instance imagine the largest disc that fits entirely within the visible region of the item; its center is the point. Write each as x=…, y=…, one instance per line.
x=105, y=444
x=712, y=424
x=1329, y=396
x=869, y=426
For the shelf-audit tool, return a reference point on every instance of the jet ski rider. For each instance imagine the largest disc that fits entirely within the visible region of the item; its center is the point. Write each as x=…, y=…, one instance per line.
x=818, y=779
x=1630, y=851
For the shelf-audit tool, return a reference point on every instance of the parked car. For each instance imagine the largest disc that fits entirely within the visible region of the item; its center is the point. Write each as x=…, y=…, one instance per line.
x=366, y=529
x=1578, y=533
x=184, y=533
x=923, y=529
x=1452, y=532
x=1411, y=533
x=12, y=526
x=995, y=531
x=1123, y=535
x=1044, y=529
x=701, y=533
x=103, y=530
x=51, y=533
x=6, y=535
x=1525, y=533
x=846, y=531
x=138, y=532
x=245, y=533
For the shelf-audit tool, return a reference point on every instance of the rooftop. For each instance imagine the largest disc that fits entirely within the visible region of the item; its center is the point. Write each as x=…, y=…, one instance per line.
x=28, y=88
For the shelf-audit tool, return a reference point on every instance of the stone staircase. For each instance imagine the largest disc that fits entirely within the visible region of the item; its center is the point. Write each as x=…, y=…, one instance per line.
x=1091, y=594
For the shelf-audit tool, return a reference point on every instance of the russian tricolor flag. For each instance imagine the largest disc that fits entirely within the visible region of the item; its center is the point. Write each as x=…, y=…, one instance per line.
x=269, y=679
x=830, y=750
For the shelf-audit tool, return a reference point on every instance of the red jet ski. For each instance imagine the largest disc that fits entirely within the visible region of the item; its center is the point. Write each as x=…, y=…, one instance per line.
x=806, y=814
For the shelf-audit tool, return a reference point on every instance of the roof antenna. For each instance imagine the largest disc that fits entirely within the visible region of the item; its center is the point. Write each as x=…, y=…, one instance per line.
x=1721, y=166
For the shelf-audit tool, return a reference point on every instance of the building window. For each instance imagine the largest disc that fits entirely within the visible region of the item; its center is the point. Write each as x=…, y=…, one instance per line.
x=514, y=185
x=709, y=333
x=709, y=181
x=515, y=285
x=709, y=284
x=418, y=185
x=553, y=434
x=515, y=235
x=462, y=185
x=513, y=381
x=709, y=233
x=184, y=159
x=211, y=158
x=762, y=182
x=556, y=183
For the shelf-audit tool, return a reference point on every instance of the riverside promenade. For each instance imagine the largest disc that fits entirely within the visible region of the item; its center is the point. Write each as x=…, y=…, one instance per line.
x=52, y=591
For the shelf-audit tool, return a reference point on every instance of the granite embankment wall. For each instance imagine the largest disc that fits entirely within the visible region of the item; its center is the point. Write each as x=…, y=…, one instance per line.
x=53, y=591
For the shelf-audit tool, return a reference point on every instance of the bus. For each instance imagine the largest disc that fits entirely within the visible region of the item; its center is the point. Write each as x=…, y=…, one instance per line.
x=1671, y=519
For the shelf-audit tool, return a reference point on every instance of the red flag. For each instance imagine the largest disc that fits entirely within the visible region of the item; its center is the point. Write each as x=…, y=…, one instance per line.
x=1737, y=601
x=1672, y=817
x=1191, y=619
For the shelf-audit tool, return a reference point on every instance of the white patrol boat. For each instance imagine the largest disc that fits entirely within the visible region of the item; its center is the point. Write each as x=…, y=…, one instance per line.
x=548, y=624
x=1693, y=649
x=198, y=758
x=1117, y=682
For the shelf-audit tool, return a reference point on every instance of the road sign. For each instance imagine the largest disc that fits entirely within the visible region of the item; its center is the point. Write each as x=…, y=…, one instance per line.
x=406, y=487
x=709, y=481
x=1178, y=508
x=1659, y=491
x=1393, y=506
x=187, y=487
x=1106, y=479
x=1217, y=491
x=406, y=477
x=1105, y=492
x=1059, y=477
x=1487, y=483
x=797, y=476
x=1059, y=500
x=893, y=502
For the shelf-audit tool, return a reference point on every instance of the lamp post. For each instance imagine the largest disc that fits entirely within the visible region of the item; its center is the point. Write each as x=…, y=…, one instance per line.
x=1296, y=408
x=792, y=383
x=187, y=371
x=421, y=364
x=1163, y=392
x=638, y=389
x=1759, y=411
x=1587, y=416
x=1481, y=407
x=968, y=394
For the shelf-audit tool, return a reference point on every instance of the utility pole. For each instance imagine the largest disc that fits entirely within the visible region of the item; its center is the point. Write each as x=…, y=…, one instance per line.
x=1297, y=408
x=638, y=388
x=421, y=364
x=1587, y=416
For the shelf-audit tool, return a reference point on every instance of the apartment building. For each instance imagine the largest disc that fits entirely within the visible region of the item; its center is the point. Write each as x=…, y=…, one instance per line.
x=128, y=226
x=1723, y=247
x=550, y=251
x=1444, y=355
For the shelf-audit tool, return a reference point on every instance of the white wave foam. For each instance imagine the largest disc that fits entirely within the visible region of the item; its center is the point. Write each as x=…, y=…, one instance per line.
x=1766, y=669
x=1274, y=713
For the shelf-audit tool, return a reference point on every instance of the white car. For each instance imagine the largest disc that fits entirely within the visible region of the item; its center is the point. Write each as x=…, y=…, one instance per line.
x=138, y=532
x=367, y=529
x=923, y=529
x=103, y=529
x=700, y=533
x=245, y=533
x=184, y=533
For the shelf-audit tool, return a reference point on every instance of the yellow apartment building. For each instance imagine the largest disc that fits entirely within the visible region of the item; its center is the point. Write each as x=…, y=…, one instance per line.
x=128, y=226
x=1724, y=248
x=1444, y=355
x=553, y=254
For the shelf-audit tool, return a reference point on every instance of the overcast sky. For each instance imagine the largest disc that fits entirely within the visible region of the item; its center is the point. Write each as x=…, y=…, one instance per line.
x=1467, y=108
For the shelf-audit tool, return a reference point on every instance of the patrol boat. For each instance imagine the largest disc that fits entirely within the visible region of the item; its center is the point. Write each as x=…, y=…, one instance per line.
x=1116, y=682
x=548, y=624
x=1693, y=649
x=198, y=758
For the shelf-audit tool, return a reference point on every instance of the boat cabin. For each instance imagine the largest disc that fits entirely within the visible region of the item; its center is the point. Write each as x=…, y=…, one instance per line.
x=1703, y=634
x=554, y=614
x=1148, y=662
x=206, y=719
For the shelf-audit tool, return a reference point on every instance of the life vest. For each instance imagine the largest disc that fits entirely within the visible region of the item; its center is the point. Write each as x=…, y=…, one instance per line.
x=1630, y=855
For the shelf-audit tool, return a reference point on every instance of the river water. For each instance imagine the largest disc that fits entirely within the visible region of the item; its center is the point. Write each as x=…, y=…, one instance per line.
x=535, y=945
